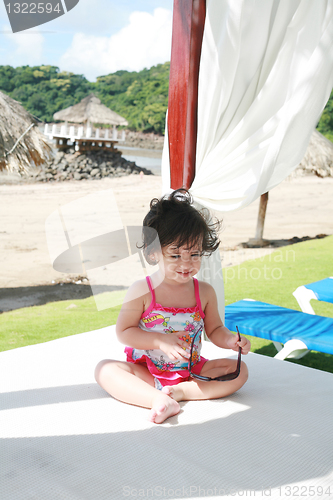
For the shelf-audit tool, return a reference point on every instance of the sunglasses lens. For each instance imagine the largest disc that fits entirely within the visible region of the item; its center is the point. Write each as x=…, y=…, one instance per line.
x=223, y=378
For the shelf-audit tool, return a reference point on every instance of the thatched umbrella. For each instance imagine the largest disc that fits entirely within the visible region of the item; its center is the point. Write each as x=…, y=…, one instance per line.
x=318, y=158
x=21, y=142
x=90, y=110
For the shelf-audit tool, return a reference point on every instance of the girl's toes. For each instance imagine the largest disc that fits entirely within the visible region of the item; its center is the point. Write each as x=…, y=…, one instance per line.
x=167, y=390
x=152, y=415
x=161, y=411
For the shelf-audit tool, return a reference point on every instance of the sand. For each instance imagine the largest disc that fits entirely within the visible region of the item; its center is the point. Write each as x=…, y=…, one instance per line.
x=298, y=207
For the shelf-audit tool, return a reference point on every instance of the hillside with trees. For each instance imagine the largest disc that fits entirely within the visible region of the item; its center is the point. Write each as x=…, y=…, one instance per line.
x=140, y=97
x=43, y=90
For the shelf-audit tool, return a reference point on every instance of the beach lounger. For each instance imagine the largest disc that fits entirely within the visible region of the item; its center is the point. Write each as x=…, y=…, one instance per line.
x=63, y=437
x=319, y=290
x=298, y=331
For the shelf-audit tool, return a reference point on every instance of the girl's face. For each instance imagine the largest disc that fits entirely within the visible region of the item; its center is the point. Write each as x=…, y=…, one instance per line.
x=180, y=264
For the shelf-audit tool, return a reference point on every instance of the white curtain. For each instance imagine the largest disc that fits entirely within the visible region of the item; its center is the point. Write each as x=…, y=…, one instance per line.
x=266, y=72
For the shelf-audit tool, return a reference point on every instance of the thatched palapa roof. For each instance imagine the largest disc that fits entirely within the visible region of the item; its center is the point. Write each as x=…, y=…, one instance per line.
x=90, y=109
x=21, y=142
x=318, y=158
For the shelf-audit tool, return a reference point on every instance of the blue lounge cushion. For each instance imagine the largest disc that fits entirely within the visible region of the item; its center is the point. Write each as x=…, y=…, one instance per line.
x=322, y=289
x=280, y=324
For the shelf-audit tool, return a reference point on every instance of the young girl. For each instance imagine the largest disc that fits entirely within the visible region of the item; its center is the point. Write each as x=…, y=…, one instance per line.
x=162, y=313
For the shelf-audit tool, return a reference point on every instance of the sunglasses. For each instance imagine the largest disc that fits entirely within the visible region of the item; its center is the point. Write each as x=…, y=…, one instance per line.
x=222, y=378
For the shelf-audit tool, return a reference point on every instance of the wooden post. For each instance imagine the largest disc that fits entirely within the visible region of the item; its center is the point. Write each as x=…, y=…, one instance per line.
x=261, y=217
x=187, y=32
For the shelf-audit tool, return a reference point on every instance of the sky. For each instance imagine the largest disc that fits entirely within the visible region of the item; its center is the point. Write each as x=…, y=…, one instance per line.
x=95, y=38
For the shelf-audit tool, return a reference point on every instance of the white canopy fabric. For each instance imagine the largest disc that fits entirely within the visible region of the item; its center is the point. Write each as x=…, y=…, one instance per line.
x=266, y=72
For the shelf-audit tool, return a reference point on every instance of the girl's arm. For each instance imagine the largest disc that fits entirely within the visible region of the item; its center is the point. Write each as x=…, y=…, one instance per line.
x=129, y=333
x=127, y=329
x=214, y=327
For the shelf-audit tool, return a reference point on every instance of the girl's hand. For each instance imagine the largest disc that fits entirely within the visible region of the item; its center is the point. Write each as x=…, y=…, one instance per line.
x=174, y=347
x=234, y=344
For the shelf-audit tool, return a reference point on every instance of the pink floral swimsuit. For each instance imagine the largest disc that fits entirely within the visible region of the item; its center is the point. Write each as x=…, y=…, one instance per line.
x=165, y=320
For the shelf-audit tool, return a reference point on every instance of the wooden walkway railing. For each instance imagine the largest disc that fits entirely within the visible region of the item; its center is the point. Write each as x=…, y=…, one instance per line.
x=83, y=138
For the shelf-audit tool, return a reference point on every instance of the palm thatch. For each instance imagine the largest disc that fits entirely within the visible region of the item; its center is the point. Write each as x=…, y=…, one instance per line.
x=90, y=109
x=22, y=145
x=318, y=158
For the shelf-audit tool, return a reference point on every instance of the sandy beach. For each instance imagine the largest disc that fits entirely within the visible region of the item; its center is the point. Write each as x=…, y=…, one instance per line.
x=298, y=207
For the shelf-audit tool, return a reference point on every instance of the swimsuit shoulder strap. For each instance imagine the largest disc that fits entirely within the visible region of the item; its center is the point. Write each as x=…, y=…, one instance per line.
x=150, y=284
x=197, y=296
x=153, y=300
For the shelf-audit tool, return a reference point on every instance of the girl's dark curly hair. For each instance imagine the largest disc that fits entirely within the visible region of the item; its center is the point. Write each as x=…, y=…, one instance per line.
x=175, y=220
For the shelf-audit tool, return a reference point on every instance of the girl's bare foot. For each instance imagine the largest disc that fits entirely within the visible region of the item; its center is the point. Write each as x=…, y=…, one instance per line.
x=163, y=407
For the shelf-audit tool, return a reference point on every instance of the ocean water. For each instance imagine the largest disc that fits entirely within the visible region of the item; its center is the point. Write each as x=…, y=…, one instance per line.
x=145, y=158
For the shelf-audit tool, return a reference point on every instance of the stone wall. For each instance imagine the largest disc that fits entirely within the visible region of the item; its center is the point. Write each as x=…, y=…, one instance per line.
x=89, y=165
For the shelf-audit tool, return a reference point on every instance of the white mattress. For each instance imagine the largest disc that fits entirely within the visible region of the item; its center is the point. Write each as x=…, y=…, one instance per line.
x=63, y=437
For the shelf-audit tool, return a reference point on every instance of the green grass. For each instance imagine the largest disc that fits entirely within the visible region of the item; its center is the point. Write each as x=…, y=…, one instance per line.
x=34, y=325
x=270, y=279
x=275, y=277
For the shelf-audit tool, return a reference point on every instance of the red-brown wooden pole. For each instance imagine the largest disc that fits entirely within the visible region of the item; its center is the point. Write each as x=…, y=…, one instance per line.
x=187, y=32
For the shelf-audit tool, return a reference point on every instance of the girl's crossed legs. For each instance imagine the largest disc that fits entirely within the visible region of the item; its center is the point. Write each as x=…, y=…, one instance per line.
x=134, y=384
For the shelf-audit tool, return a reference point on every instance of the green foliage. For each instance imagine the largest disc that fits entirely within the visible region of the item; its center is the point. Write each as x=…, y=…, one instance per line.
x=141, y=97
x=325, y=125
x=43, y=90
